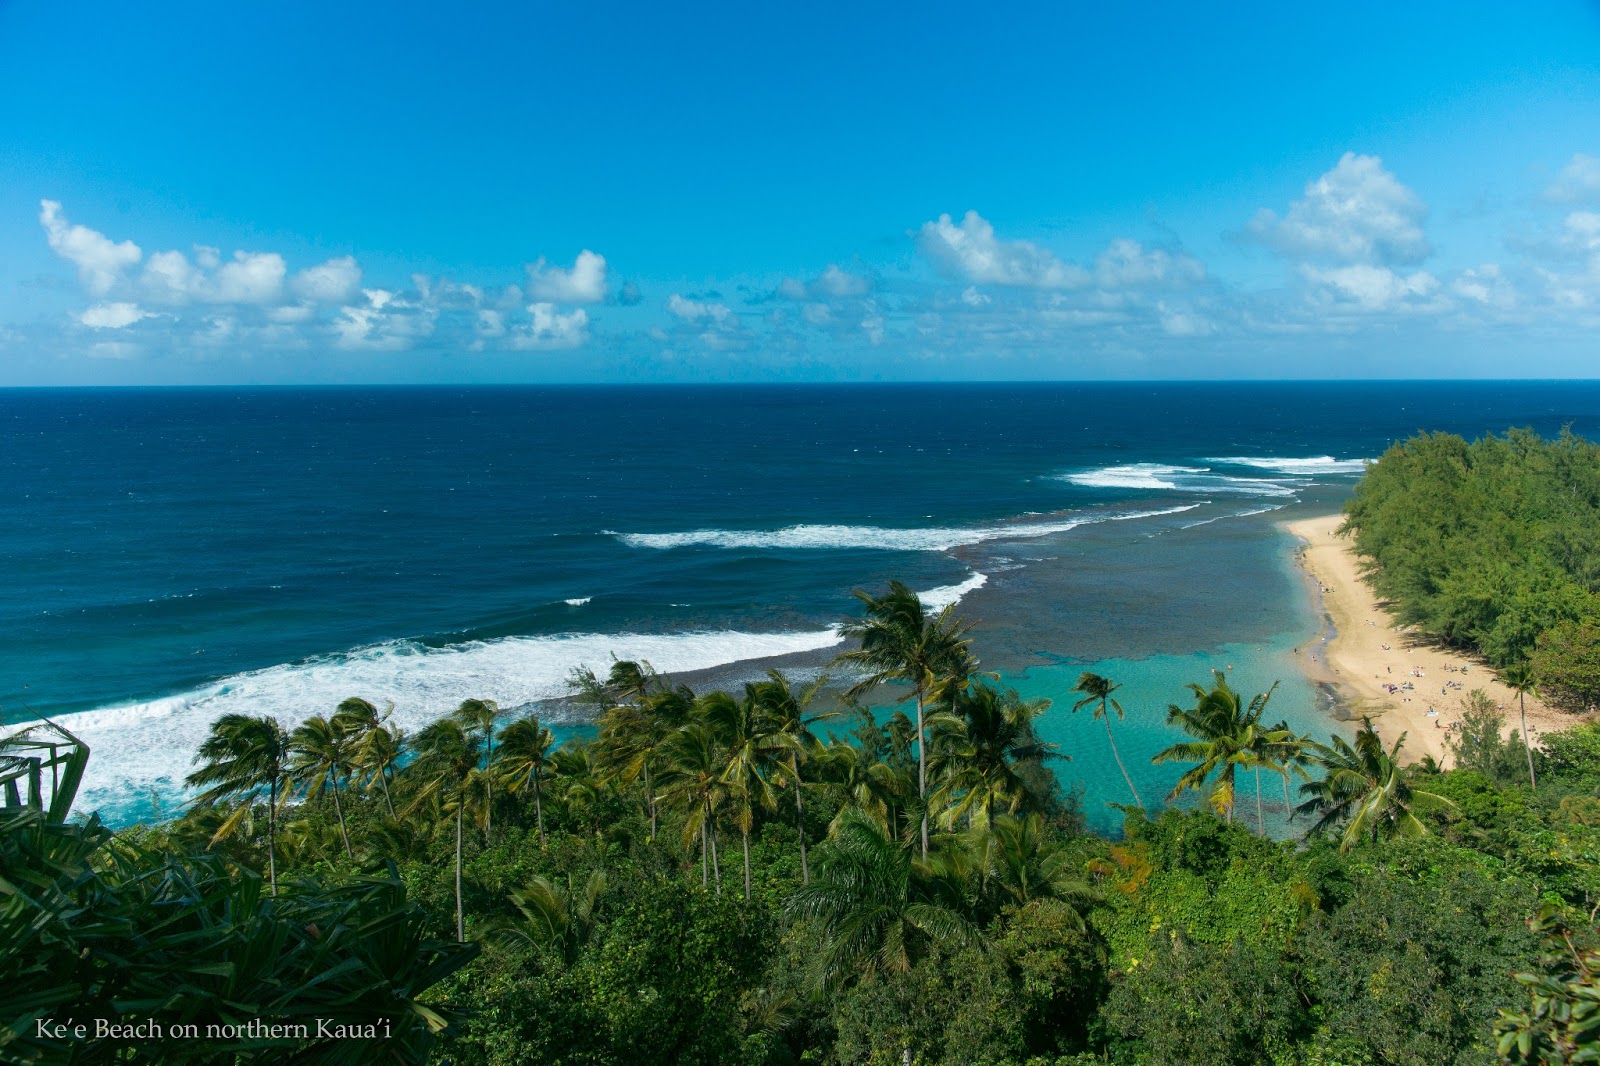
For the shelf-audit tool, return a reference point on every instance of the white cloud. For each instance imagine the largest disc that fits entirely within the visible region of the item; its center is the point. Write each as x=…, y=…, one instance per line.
x=385, y=322
x=290, y=314
x=1486, y=286
x=101, y=262
x=972, y=297
x=170, y=278
x=971, y=250
x=699, y=311
x=584, y=283
x=1374, y=288
x=247, y=278
x=1126, y=263
x=1358, y=212
x=833, y=283
x=550, y=329
x=872, y=324
x=335, y=281
x=1183, y=322
x=490, y=324
x=1572, y=276
x=112, y=315
x=252, y=277
x=1578, y=182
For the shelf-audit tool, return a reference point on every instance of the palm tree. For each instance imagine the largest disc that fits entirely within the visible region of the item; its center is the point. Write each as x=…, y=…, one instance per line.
x=478, y=716
x=1287, y=753
x=555, y=916
x=878, y=788
x=379, y=758
x=691, y=779
x=785, y=708
x=901, y=641
x=448, y=764
x=583, y=782
x=1367, y=790
x=1519, y=678
x=1029, y=865
x=876, y=906
x=753, y=747
x=1097, y=690
x=633, y=729
x=319, y=755
x=240, y=757
x=978, y=751
x=1224, y=731
x=627, y=682
x=376, y=745
x=525, y=757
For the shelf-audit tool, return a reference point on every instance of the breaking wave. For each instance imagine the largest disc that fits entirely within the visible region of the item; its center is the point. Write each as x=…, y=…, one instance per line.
x=879, y=537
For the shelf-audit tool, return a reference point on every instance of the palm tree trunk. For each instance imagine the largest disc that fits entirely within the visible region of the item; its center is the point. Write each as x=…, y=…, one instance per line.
x=922, y=772
x=338, y=808
x=383, y=780
x=1118, y=756
x=1533, y=782
x=800, y=819
x=716, y=867
x=488, y=786
x=272, y=834
x=650, y=798
x=1261, y=819
x=538, y=807
x=746, y=864
x=461, y=928
x=1288, y=804
x=705, y=869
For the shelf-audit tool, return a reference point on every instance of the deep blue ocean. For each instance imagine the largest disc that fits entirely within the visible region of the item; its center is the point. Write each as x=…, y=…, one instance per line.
x=172, y=554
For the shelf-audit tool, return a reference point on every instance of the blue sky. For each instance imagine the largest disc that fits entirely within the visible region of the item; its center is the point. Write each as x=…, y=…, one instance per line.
x=407, y=192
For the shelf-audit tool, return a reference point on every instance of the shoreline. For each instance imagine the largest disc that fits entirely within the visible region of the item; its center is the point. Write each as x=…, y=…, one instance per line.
x=1358, y=651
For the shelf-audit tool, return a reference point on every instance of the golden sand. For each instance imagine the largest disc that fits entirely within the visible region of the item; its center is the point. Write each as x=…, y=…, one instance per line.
x=1367, y=653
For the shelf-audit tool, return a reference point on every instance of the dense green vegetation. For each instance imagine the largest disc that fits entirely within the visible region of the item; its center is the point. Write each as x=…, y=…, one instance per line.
x=1493, y=546
x=781, y=875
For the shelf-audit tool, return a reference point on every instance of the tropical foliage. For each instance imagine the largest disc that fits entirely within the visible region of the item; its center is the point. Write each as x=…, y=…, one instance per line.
x=782, y=874
x=1493, y=546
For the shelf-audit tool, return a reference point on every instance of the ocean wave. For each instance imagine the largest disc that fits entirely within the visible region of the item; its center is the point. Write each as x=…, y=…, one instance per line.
x=1164, y=477
x=1132, y=476
x=577, y=601
x=945, y=595
x=1235, y=514
x=140, y=750
x=145, y=748
x=837, y=537
x=1319, y=464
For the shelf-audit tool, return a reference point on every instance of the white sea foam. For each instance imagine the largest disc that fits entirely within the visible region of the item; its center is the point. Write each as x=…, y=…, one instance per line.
x=1132, y=476
x=578, y=602
x=837, y=537
x=1319, y=464
x=946, y=595
x=1160, y=476
x=1235, y=514
x=137, y=748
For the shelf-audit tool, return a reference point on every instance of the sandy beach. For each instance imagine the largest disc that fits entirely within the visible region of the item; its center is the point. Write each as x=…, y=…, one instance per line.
x=1366, y=653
